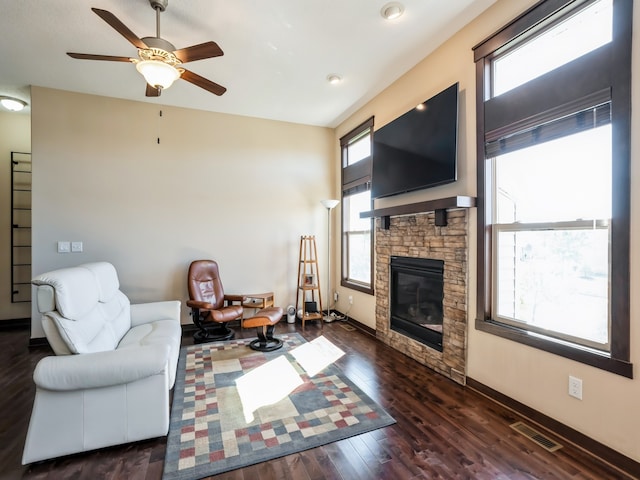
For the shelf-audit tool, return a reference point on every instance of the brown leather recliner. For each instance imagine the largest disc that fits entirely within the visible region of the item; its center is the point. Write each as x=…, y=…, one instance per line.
x=211, y=309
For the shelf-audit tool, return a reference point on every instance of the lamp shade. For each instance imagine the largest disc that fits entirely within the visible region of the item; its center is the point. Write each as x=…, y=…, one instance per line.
x=329, y=203
x=157, y=73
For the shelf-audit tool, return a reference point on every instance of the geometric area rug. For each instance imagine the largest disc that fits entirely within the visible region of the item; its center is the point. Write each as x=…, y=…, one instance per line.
x=234, y=407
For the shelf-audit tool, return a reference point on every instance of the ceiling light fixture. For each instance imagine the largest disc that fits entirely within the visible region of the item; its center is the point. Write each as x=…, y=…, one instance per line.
x=158, y=74
x=12, y=104
x=158, y=66
x=392, y=10
x=334, y=79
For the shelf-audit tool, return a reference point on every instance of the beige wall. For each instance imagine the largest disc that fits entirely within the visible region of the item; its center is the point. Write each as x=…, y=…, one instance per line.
x=608, y=411
x=234, y=189
x=15, y=136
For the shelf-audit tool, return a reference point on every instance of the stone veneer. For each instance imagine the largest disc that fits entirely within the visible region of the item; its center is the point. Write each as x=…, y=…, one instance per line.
x=417, y=236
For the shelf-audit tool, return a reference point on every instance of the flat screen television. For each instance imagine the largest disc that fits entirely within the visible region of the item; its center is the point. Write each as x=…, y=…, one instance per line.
x=418, y=149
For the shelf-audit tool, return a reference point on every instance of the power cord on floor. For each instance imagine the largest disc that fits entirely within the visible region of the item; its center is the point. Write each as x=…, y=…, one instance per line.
x=345, y=315
x=333, y=316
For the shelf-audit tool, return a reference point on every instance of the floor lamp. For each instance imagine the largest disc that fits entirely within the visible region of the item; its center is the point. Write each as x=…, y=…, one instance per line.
x=329, y=205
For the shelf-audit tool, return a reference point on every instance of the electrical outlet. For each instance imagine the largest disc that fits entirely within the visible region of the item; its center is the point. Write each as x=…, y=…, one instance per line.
x=335, y=296
x=76, y=247
x=64, y=247
x=350, y=299
x=575, y=387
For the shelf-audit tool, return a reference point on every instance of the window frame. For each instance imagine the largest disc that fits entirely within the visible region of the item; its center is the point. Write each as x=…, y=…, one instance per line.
x=610, y=66
x=355, y=178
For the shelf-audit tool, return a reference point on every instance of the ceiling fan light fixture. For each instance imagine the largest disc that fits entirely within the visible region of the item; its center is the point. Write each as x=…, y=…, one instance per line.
x=158, y=74
x=12, y=104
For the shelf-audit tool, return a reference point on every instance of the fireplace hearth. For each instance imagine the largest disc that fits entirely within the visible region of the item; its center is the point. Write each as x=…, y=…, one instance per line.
x=416, y=299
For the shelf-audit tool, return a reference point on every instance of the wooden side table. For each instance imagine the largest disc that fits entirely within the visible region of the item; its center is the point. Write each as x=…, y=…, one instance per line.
x=257, y=301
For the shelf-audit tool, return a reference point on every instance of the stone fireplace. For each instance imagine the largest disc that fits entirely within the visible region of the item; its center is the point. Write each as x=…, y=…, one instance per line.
x=418, y=237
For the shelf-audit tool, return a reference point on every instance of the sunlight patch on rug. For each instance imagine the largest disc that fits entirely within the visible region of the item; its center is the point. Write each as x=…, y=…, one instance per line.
x=316, y=355
x=266, y=385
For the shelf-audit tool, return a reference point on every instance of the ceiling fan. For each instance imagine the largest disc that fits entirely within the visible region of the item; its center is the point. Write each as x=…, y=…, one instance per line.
x=159, y=61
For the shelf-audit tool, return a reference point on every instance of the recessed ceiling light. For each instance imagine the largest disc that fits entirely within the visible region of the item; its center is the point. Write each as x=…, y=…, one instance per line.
x=13, y=104
x=421, y=106
x=392, y=10
x=334, y=79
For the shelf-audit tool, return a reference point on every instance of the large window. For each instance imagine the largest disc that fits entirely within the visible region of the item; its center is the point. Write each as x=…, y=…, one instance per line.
x=357, y=239
x=553, y=183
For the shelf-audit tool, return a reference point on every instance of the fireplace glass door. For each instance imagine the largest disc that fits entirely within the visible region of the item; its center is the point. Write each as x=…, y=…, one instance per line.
x=416, y=299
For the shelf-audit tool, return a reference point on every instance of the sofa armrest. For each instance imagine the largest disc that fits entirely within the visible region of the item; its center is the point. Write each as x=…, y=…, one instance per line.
x=150, y=312
x=100, y=369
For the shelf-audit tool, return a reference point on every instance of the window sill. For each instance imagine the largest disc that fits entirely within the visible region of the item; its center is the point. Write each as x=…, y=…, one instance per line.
x=576, y=353
x=357, y=286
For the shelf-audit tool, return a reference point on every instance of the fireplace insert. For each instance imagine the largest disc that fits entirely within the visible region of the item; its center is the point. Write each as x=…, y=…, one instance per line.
x=416, y=294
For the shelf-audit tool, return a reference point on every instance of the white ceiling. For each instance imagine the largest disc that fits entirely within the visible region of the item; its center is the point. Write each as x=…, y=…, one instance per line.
x=277, y=53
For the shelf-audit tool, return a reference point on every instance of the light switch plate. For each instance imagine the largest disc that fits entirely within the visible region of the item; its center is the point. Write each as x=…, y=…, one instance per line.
x=64, y=247
x=76, y=247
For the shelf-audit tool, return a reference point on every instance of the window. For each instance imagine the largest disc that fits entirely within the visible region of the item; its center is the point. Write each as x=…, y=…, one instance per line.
x=570, y=38
x=357, y=240
x=553, y=181
x=551, y=272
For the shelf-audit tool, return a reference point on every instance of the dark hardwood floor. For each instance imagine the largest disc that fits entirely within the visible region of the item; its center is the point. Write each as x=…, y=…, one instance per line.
x=443, y=430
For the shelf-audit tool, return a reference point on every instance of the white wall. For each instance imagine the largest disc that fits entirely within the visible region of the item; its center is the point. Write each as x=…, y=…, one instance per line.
x=234, y=189
x=608, y=411
x=15, y=136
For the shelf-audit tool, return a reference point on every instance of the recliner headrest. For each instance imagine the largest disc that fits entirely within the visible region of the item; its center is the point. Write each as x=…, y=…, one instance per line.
x=76, y=290
x=106, y=277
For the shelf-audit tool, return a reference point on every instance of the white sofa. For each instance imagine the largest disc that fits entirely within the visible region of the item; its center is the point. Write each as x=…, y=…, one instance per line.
x=114, y=366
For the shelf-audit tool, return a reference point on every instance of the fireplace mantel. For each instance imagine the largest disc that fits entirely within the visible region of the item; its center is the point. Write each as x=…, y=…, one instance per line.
x=440, y=206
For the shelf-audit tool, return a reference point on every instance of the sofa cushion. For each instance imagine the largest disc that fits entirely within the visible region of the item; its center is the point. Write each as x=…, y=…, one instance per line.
x=159, y=332
x=84, y=336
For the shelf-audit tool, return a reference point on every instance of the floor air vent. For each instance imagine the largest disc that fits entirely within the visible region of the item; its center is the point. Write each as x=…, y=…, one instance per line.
x=542, y=440
x=347, y=327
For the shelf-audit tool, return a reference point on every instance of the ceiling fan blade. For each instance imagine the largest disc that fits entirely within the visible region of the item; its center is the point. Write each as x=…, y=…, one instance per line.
x=152, y=91
x=120, y=27
x=203, y=82
x=89, y=56
x=199, y=52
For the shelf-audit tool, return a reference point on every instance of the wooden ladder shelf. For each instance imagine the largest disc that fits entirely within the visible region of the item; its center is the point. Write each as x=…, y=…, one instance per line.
x=308, y=296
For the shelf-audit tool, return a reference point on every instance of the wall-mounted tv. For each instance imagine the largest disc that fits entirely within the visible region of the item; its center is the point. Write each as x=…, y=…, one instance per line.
x=418, y=149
